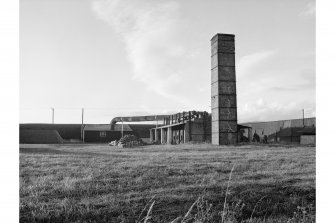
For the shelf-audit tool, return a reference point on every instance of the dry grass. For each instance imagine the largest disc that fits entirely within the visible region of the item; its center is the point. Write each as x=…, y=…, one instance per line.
x=97, y=183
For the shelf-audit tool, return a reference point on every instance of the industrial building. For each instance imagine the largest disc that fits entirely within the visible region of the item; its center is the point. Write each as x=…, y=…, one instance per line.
x=184, y=127
x=103, y=132
x=78, y=133
x=286, y=131
x=220, y=127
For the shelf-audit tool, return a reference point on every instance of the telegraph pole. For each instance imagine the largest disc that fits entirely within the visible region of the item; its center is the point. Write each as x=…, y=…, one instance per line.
x=82, y=116
x=82, y=124
x=53, y=115
x=303, y=118
x=122, y=128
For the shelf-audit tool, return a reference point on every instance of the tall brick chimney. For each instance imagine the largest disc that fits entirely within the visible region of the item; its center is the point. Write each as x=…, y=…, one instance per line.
x=223, y=90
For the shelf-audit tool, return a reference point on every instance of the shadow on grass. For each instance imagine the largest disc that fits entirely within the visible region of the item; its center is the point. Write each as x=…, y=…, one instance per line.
x=277, y=200
x=49, y=151
x=43, y=151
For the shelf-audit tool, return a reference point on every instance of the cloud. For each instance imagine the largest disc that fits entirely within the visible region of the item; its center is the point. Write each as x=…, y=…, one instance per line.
x=262, y=110
x=309, y=9
x=303, y=80
x=150, y=32
x=283, y=89
x=248, y=62
x=251, y=72
x=268, y=93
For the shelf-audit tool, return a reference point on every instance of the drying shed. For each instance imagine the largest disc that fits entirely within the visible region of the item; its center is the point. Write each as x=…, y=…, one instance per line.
x=103, y=133
x=244, y=133
x=308, y=136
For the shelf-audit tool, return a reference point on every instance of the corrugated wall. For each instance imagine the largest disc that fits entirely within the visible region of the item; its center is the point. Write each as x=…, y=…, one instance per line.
x=30, y=136
x=275, y=126
x=307, y=140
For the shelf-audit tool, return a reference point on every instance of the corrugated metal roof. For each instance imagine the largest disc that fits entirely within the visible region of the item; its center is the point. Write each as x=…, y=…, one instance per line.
x=107, y=127
x=308, y=131
x=243, y=126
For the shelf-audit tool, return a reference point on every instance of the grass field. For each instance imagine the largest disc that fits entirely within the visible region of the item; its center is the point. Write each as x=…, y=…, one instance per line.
x=97, y=183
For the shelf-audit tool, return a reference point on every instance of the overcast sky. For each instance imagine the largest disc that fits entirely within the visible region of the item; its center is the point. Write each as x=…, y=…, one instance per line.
x=133, y=57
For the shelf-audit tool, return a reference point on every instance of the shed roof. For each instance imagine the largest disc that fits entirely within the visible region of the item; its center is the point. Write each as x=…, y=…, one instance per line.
x=307, y=131
x=243, y=126
x=107, y=127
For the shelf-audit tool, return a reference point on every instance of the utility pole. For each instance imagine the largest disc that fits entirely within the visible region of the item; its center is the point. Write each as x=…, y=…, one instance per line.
x=82, y=124
x=82, y=116
x=53, y=115
x=303, y=118
x=122, y=128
